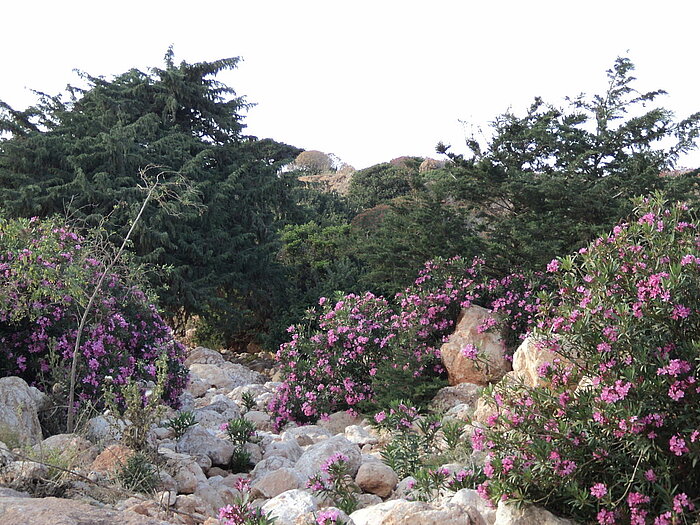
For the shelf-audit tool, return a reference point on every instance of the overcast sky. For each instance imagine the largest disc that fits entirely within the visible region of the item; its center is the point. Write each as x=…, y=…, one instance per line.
x=365, y=80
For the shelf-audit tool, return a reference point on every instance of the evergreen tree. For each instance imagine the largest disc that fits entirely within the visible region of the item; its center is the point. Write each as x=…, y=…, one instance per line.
x=83, y=153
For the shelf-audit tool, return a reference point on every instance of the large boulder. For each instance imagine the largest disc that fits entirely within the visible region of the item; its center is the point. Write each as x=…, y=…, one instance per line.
x=73, y=450
x=19, y=406
x=204, y=356
x=471, y=498
x=528, y=359
x=275, y=483
x=316, y=455
x=462, y=369
x=452, y=396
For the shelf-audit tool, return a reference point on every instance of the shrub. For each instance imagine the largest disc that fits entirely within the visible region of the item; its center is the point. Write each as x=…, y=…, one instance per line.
x=612, y=435
x=360, y=352
x=138, y=474
x=45, y=270
x=336, y=484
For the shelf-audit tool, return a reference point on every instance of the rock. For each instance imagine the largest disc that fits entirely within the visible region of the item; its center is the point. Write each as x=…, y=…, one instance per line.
x=184, y=469
x=204, y=356
x=26, y=471
x=403, y=489
x=508, y=514
x=360, y=436
x=6, y=455
x=275, y=483
x=198, y=440
x=261, y=420
x=527, y=359
x=316, y=455
x=19, y=403
x=307, y=434
x=197, y=387
x=376, y=478
x=271, y=464
x=55, y=511
x=255, y=390
x=451, y=396
x=289, y=449
x=327, y=512
x=111, y=459
x=402, y=512
x=104, y=429
x=471, y=498
x=430, y=164
x=225, y=376
x=462, y=412
x=337, y=422
x=460, y=368
x=166, y=498
x=209, y=419
x=289, y=506
x=72, y=449
x=194, y=506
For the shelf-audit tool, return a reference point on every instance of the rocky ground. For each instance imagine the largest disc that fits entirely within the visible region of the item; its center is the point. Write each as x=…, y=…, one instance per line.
x=193, y=469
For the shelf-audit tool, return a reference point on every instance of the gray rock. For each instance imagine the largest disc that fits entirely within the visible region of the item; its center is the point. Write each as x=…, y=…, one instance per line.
x=198, y=440
x=376, y=478
x=508, y=514
x=225, y=376
x=19, y=403
x=316, y=455
x=271, y=464
x=289, y=506
x=471, y=498
x=289, y=449
x=275, y=483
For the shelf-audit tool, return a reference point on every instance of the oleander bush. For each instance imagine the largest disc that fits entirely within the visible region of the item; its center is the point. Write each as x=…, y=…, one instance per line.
x=613, y=433
x=47, y=273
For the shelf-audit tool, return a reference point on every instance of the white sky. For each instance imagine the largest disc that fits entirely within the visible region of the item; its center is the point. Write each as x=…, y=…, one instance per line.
x=366, y=80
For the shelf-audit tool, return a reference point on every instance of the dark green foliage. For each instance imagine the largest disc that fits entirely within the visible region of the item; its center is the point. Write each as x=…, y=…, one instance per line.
x=138, y=474
x=85, y=153
x=550, y=181
x=381, y=183
x=181, y=423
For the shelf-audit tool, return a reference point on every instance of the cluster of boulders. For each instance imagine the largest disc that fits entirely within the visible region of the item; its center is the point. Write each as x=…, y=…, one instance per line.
x=194, y=468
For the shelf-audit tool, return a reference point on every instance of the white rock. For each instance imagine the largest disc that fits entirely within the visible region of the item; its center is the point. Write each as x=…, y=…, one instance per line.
x=307, y=434
x=289, y=449
x=402, y=512
x=288, y=506
x=225, y=376
x=316, y=455
x=471, y=498
x=275, y=483
x=376, y=478
x=508, y=514
x=198, y=441
x=360, y=436
x=271, y=464
x=19, y=404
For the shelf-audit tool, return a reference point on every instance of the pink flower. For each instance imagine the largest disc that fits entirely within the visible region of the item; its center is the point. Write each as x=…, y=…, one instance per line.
x=650, y=475
x=599, y=490
x=470, y=351
x=677, y=445
x=553, y=266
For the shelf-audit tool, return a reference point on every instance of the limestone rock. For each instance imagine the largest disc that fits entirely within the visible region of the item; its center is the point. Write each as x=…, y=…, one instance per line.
x=55, y=511
x=225, y=376
x=527, y=359
x=261, y=420
x=461, y=369
x=288, y=506
x=315, y=455
x=111, y=459
x=270, y=464
x=275, y=483
x=402, y=512
x=360, y=435
x=204, y=356
x=307, y=434
x=337, y=422
x=376, y=478
x=452, y=396
x=289, y=449
x=198, y=440
x=508, y=514
x=72, y=449
x=471, y=498
x=19, y=403
x=184, y=469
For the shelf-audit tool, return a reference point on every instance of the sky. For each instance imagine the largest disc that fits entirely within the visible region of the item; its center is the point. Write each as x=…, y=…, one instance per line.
x=365, y=80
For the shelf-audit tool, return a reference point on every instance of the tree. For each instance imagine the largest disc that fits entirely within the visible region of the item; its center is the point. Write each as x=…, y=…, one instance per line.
x=313, y=162
x=85, y=153
x=550, y=181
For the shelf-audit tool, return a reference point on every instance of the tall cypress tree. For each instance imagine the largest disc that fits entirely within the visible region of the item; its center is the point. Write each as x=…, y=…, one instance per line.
x=84, y=151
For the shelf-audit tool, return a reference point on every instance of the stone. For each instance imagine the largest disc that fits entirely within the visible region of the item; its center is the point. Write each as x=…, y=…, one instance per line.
x=430, y=164
x=402, y=512
x=55, y=511
x=193, y=506
x=185, y=471
x=111, y=459
x=376, y=478
x=313, y=517
x=19, y=405
x=225, y=376
x=471, y=498
x=25, y=471
x=462, y=412
x=166, y=498
x=72, y=449
x=104, y=429
x=337, y=422
x=527, y=359
x=509, y=514
x=275, y=483
x=451, y=396
x=6, y=455
x=261, y=420
x=316, y=455
x=197, y=387
x=204, y=356
x=460, y=368
x=271, y=464
x=288, y=449
x=198, y=440
x=307, y=434
x=360, y=435
x=289, y=506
